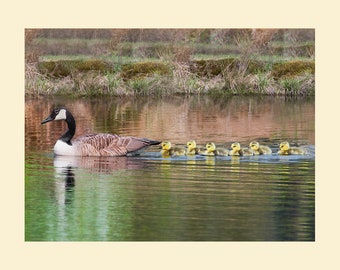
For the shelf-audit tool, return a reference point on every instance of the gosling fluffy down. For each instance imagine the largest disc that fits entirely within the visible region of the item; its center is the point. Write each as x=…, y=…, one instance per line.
x=211, y=150
x=169, y=150
x=260, y=149
x=192, y=148
x=286, y=149
x=236, y=150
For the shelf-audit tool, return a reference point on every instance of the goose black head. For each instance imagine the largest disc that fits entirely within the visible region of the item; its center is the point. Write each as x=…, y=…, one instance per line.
x=56, y=114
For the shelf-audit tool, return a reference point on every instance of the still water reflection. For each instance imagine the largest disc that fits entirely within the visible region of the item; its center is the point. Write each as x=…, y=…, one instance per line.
x=151, y=198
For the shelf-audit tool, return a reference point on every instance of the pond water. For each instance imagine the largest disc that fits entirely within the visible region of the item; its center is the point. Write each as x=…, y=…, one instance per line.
x=150, y=198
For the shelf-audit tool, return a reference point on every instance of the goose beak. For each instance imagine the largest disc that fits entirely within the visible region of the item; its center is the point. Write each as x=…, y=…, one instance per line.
x=48, y=119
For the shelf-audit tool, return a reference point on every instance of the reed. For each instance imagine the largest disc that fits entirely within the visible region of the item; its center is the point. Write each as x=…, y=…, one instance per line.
x=165, y=62
x=165, y=79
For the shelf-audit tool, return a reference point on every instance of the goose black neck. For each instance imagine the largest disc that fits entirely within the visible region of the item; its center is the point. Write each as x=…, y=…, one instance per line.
x=71, y=124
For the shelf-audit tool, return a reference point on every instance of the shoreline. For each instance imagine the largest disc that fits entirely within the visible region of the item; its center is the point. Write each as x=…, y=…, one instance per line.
x=226, y=76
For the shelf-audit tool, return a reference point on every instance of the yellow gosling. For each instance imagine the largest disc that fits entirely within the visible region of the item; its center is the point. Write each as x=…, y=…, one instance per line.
x=211, y=150
x=285, y=149
x=192, y=148
x=208, y=150
x=236, y=150
x=260, y=149
x=168, y=150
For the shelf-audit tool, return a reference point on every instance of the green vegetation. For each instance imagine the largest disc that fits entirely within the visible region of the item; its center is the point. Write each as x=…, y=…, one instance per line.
x=292, y=68
x=194, y=62
x=63, y=68
x=143, y=69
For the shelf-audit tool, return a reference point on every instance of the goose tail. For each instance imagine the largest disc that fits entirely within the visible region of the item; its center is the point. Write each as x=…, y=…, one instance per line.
x=150, y=142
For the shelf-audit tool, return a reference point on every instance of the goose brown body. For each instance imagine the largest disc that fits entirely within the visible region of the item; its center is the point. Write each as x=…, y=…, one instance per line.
x=100, y=144
x=108, y=145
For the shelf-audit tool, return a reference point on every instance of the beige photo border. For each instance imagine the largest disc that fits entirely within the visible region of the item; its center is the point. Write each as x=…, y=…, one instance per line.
x=18, y=254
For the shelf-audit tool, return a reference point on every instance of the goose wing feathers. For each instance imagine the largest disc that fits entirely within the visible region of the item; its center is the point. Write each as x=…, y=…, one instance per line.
x=110, y=144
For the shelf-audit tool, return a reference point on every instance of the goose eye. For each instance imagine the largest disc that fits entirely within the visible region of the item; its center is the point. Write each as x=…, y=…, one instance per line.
x=56, y=111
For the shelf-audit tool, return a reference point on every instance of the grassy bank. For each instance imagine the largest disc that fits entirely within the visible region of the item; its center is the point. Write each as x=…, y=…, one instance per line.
x=245, y=65
x=223, y=76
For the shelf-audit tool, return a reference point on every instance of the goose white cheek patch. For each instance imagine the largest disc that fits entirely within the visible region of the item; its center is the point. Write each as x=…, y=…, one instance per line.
x=61, y=115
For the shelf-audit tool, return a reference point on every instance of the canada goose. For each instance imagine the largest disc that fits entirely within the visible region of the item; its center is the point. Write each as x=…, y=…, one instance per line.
x=285, y=149
x=93, y=144
x=259, y=149
x=211, y=150
x=236, y=150
x=169, y=150
x=192, y=148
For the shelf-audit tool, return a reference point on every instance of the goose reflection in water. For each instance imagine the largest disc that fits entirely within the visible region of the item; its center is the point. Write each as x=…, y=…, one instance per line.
x=98, y=164
x=64, y=184
x=65, y=170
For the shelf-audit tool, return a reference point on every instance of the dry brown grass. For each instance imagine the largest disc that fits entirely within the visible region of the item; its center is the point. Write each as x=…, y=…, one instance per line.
x=261, y=37
x=180, y=81
x=31, y=54
x=176, y=72
x=118, y=36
